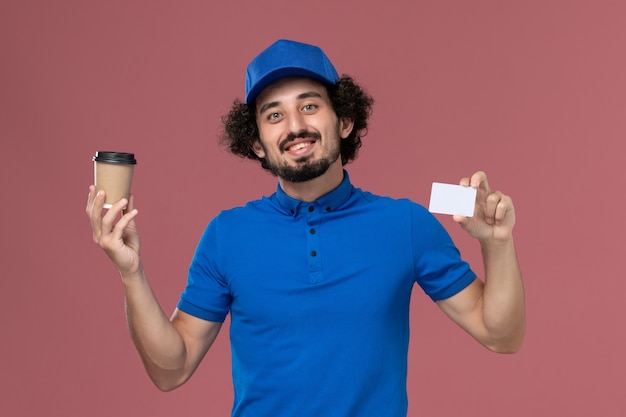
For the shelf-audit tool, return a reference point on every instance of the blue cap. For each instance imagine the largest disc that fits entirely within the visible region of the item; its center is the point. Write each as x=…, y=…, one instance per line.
x=285, y=58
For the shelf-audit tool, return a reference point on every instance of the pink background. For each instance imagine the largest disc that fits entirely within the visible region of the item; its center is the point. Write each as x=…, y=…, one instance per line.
x=531, y=92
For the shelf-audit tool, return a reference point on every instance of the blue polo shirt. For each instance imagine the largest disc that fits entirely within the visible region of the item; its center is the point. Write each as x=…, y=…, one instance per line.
x=319, y=298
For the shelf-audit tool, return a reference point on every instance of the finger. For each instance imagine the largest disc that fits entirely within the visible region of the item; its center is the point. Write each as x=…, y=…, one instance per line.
x=131, y=204
x=89, y=208
x=491, y=205
x=109, y=219
x=118, y=234
x=123, y=223
x=95, y=212
x=465, y=182
x=462, y=220
x=479, y=180
x=90, y=198
x=504, y=206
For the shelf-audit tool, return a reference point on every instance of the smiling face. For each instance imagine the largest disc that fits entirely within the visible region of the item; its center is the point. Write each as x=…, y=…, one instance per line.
x=299, y=131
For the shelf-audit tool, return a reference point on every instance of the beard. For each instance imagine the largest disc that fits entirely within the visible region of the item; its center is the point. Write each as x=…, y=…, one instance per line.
x=305, y=170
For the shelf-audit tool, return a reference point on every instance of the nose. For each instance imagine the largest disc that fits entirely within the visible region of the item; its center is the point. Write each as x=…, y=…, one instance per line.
x=296, y=123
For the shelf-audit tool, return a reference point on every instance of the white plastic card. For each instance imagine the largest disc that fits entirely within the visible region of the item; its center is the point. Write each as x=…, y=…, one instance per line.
x=452, y=199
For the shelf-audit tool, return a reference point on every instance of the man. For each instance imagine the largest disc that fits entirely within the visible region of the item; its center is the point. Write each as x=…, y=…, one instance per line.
x=318, y=276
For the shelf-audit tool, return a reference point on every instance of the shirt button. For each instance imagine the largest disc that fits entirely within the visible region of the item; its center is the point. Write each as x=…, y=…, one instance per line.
x=312, y=231
x=311, y=208
x=313, y=253
x=292, y=211
x=327, y=208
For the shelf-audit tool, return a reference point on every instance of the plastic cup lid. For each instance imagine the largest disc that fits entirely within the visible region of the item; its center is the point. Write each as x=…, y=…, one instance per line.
x=115, y=158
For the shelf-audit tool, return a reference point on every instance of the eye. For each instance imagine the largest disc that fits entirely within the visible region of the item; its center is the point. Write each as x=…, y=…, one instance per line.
x=273, y=116
x=309, y=107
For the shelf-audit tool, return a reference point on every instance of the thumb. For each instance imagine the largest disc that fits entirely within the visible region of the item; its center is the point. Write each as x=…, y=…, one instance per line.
x=467, y=223
x=462, y=220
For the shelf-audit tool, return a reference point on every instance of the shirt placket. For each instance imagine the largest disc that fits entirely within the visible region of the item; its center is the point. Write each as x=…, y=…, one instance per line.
x=314, y=252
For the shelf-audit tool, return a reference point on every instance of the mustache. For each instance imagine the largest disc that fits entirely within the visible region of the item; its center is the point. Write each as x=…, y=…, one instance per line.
x=300, y=135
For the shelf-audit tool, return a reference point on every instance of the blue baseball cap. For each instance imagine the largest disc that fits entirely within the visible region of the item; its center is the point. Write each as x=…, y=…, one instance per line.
x=285, y=58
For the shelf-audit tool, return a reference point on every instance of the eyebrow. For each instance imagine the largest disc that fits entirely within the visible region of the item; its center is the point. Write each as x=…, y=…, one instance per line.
x=271, y=104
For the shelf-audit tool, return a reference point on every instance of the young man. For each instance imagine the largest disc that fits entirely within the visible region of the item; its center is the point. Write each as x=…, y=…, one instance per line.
x=318, y=276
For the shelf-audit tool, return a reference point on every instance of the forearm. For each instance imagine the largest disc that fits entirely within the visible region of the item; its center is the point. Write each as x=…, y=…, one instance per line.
x=503, y=296
x=158, y=342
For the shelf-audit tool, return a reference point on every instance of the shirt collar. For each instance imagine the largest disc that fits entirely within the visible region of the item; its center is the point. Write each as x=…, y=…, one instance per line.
x=328, y=202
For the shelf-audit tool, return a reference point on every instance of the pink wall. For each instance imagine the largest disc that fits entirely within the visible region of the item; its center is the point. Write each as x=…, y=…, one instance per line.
x=531, y=92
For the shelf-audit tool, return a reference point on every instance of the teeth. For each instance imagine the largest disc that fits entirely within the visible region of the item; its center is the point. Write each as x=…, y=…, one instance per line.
x=299, y=146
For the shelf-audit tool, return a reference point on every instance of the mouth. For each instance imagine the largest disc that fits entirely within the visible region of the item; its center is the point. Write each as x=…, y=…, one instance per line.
x=298, y=145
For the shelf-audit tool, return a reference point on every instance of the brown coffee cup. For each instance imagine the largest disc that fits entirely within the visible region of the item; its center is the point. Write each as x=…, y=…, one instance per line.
x=113, y=173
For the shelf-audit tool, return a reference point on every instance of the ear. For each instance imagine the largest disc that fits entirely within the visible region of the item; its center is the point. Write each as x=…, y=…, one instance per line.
x=346, y=124
x=257, y=148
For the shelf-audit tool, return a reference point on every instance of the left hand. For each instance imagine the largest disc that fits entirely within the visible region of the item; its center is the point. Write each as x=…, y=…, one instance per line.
x=494, y=215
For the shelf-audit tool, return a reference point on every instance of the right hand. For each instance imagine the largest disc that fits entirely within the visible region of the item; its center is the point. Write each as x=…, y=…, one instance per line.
x=119, y=239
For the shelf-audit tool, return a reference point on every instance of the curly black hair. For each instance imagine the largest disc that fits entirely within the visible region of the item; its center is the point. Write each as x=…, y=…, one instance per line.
x=348, y=99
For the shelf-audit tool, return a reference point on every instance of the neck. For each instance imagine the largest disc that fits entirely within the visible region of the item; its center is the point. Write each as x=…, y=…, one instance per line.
x=312, y=190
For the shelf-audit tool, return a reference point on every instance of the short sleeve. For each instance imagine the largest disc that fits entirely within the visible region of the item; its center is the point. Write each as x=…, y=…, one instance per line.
x=206, y=295
x=440, y=270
